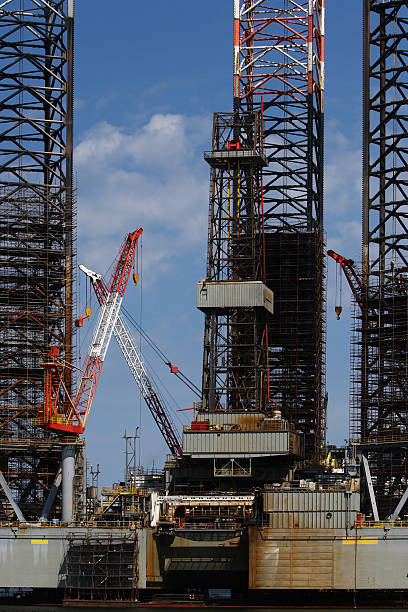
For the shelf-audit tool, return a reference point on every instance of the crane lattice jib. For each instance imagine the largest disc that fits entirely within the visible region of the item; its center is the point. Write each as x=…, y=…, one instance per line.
x=137, y=367
x=124, y=264
x=61, y=413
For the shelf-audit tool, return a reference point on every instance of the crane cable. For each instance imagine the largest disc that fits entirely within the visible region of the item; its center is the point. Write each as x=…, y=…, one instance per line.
x=174, y=369
x=338, y=306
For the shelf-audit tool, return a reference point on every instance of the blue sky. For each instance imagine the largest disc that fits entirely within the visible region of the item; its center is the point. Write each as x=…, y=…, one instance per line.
x=148, y=77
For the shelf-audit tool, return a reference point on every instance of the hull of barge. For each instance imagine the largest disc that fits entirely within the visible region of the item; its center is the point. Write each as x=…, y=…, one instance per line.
x=260, y=564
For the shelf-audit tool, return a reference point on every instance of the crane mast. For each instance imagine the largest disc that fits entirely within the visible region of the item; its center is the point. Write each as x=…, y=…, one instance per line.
x=137, y=367
x=60, y=412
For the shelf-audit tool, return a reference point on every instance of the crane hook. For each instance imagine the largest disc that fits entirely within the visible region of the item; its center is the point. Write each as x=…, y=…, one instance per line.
x=338, y=310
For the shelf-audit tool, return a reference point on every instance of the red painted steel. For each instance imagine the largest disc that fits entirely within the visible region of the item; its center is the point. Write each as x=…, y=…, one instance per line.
x=60, y=412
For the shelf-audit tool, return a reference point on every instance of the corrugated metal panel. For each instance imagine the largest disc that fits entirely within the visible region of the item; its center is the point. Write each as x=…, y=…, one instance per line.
x=311, y=509
x=241, y=294
x=235, y=443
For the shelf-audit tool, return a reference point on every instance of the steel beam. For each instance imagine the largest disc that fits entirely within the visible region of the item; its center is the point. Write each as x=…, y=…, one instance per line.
x=10, y=497
x=370, y=487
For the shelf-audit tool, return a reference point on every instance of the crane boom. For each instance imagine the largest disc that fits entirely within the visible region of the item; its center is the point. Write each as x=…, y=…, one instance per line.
x=137, y=367
x=351, y=275
x=60, y=412
x=355, y=283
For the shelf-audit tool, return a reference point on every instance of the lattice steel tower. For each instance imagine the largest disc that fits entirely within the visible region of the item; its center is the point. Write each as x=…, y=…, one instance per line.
x=37, y=232
x=379, y=408
x=266, y=219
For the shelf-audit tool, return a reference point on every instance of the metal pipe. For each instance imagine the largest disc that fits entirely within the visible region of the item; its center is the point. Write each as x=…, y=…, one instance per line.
x=68, y=472
x=370, y=487
x=394, y=516
x=51, y=495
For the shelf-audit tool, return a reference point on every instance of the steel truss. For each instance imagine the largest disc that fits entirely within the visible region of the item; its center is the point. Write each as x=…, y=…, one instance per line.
x=234, y=342
x=279, y=71
x=379, y=402
x=37, y=228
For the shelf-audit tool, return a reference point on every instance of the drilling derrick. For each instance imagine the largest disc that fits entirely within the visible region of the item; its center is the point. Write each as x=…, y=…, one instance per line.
x=266, y=220
x=379, y=398
x=234, y=345
x=37, y=234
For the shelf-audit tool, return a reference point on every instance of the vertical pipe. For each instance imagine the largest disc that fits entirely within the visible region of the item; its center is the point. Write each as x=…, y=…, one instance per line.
x=51, y=496
x=68, y=472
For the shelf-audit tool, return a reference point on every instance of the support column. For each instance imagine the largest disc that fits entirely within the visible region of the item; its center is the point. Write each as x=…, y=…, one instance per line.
x=68, y=472
x=51, y=496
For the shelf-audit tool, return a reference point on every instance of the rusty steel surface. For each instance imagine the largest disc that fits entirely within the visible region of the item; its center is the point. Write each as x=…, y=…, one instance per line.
x=327, y=558
x=207, y=551
x=311, y=509
x=238, y=443
x=153, y=572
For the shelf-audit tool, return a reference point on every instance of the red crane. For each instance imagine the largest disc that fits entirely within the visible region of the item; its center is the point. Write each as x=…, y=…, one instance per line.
x=135, y=362
x=351, y=275
x=354, y=281
x=60, y=412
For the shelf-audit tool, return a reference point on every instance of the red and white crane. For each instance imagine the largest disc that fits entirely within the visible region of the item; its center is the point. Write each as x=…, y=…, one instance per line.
x=137, y=367
x=60, y=412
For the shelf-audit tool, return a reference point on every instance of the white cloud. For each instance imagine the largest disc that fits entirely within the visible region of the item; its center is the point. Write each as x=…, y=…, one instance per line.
x=342, y=174
x=152, y=177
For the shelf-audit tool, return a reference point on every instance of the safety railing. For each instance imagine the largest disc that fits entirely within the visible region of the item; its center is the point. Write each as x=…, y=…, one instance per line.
x=110, y=492
x=261, y=426
x=362, y=524
x=71, y=440
x=383, y=439
x=129, y=524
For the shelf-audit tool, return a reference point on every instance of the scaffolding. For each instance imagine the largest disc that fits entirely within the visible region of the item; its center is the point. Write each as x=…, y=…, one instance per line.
x=37, y=233
x=379, y=350
x=234, y=341
x=279, y=71
x=379, y=410
x=101, y=568
x=295, y=272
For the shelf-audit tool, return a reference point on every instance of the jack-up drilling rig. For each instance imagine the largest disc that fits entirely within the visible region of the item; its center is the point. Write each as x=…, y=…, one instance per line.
x=253, y=503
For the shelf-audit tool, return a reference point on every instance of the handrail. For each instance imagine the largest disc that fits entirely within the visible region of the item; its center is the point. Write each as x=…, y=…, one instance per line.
x=362, y=524
x=109, y=491
x=60, y=525
x=381, y=439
